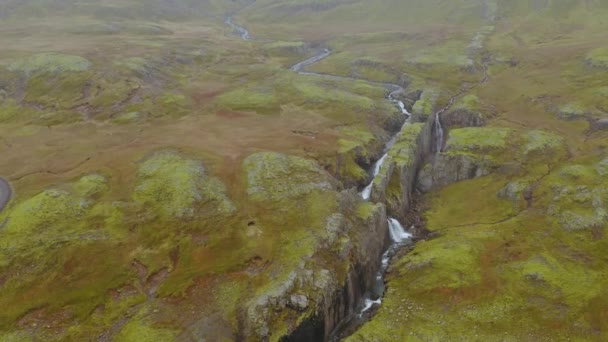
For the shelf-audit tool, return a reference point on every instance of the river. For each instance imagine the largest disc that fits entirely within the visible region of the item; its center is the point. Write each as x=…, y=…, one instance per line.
x=399, y=236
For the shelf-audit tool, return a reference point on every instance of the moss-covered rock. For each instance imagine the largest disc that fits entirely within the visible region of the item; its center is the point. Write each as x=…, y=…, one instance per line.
x=466, y=112
x=50, y=63
x=477, y=139
x=172, y=186
x=542, y=142
x=394, y=185
x=138, y=329
x=470, y=153
x=273, y=176
x=426, y=105
x=357, y=147
x=127, y=118
x=573, y=111
x=598, y=58
x=263, y=101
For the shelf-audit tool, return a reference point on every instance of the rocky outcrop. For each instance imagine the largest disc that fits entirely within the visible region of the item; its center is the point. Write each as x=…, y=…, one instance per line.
x=599, y=125
x=425, y=106
x=469, y=153
x=463, y=118
x=396, y=181
x=466, y=112
x=326, y=288
x=330, y=277
x=450, y=168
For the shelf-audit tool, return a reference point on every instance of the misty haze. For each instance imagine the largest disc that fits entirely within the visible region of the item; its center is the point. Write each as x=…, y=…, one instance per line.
x=303, y=170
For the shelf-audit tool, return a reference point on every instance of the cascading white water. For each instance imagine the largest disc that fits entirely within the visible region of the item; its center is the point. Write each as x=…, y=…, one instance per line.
x=438, y=133
x=367, y=191
x=398, y=233
x=399, y=237
x=369, y=303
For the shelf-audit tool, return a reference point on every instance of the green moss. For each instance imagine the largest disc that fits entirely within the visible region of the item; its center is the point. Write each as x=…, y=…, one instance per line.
x=50, y=62
x=16, y=337
x=173, y=186
x=444, y=264
x=126, y=118
x=542, y=142
x=454, y=204
x=572, y=111
x=136, y=64
x=10, y=111
x=62, y=91
x=469, y=102
x=260, y=100
x=452, y=52
x=91, y=185
x=365, y=210
x=404, y=150
x=139, y=330
x=49, y=209
x=273, y=176
x=567, y=280
x=325, y=94
x=478, y=138
x=426, y=104
x=351, y=171
x=353, y=137
x=581, y=173
x=601, y=91
x=112, y=92
x=598, y=58
x=354, y=144
x=285, y=49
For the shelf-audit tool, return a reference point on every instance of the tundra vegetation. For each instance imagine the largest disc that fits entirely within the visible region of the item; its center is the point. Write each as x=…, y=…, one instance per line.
x=174, y=182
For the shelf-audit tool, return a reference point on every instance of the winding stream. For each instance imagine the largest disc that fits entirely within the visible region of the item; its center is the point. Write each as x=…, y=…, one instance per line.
x=399, y=236
x=242, y=32
x=5, y=193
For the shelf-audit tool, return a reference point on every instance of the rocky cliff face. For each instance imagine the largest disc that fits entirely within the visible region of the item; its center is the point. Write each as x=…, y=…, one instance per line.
x=334, y=279
x=359, y=265
x=363, y=235
x=396, y=181
x=337, y=262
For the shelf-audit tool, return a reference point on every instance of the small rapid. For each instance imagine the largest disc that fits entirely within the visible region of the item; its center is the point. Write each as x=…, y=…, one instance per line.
x=438, y=133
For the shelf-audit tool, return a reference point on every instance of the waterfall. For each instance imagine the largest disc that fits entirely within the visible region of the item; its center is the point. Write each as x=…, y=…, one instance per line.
x=367, y=192
x=438, y=133
x=398, y=234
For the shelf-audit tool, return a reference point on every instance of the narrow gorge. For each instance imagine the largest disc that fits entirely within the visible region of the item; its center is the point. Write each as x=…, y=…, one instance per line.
x=392, y=189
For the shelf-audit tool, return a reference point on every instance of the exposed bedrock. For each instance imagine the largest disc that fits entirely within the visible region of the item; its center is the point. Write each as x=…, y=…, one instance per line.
x=340, y=299
x=338, y=260
x=396, y=181
x=463, y=118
